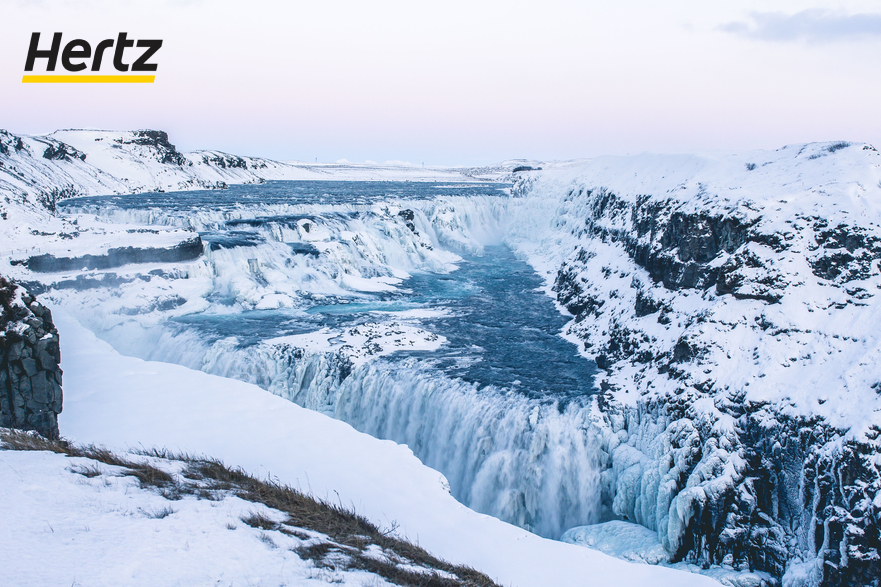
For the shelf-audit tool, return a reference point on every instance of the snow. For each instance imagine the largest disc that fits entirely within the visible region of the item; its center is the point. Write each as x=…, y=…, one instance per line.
x=832, y=349
x=62, y=528
x=365, y=341
x=813, y=353
x=127, y=402
x=804, y=349
x=89, y=235
x=120, y=162
x=126, y=162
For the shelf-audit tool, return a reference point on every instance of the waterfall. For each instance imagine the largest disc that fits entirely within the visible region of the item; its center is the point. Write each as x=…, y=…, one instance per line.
x=527, y=460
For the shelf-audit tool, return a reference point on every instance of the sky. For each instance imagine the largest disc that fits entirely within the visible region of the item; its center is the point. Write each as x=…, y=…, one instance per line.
x=463, y=83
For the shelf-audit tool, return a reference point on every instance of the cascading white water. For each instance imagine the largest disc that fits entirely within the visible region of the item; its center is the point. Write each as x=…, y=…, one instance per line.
x=529, y=461
x=514, y=458
x=525, y=461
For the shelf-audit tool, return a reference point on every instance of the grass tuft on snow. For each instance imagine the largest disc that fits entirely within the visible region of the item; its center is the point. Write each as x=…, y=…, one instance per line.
x=258, y=520
x=159, y=514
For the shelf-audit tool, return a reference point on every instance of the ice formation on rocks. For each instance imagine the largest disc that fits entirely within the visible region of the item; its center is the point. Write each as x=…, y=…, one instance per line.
x=733, y=310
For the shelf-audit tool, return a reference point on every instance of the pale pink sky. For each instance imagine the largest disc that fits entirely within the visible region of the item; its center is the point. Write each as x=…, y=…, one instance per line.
x=464, y=82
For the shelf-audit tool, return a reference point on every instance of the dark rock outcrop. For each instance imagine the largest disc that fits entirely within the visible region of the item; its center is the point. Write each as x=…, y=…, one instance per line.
x=50, y=199
x=165, y=152
x=186, y=251
x=843, y=253
x=408, y=217
x=225, y=161
x=10, y=141
x=59, y=151
x=30, y=376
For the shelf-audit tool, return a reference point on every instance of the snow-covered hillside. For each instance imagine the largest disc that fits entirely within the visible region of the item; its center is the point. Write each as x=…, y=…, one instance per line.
x=104, y=518
x=733, y=305
x=70, y=163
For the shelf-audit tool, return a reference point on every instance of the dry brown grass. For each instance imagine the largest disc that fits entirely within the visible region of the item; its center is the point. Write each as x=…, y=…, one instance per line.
x=146, y=474
x=349, y=532
x=342, y=525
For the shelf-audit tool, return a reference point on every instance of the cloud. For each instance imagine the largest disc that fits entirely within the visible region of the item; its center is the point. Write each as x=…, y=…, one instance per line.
x=808, y=25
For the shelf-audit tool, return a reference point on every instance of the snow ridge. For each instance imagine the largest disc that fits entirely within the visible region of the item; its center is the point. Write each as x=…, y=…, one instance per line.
x=68, y=163
x=165, y=501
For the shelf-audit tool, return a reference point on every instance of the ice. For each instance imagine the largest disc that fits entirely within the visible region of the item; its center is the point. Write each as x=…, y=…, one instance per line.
x=504, y=455
x=623, y=540
x=529, y=461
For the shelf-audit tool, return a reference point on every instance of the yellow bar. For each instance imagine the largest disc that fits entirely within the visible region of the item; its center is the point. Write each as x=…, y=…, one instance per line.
x=87, y=79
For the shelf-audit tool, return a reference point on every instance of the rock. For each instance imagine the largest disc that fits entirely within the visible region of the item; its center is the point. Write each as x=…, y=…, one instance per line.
x=30, y=355
x=737, y=484
x=408, y=217
x=157, y=140
x=29, y=366
x=184, y=251
x=225, y=161
x=59, y=151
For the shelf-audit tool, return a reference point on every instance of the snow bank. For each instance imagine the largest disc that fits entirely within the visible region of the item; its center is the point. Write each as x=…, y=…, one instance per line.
x=125, y=402
x=63, y=528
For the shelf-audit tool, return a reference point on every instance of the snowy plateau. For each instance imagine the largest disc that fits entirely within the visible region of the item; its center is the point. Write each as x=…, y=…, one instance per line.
x=723, y=416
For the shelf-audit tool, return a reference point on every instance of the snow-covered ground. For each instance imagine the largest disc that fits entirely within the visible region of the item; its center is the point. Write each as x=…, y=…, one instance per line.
x=75, y=521
x=106, y=531
x=93, y=162
x=778, y=248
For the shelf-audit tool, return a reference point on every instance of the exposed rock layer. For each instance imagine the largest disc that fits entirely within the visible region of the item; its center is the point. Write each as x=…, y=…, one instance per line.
x=117, y=257
x=30, y=355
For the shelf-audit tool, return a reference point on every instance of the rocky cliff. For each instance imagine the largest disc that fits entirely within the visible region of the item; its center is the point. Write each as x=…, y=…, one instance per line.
x=30, y=376
x=732, y=306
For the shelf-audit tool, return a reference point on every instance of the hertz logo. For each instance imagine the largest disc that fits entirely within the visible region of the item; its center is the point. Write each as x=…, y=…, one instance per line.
x=75, y=55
